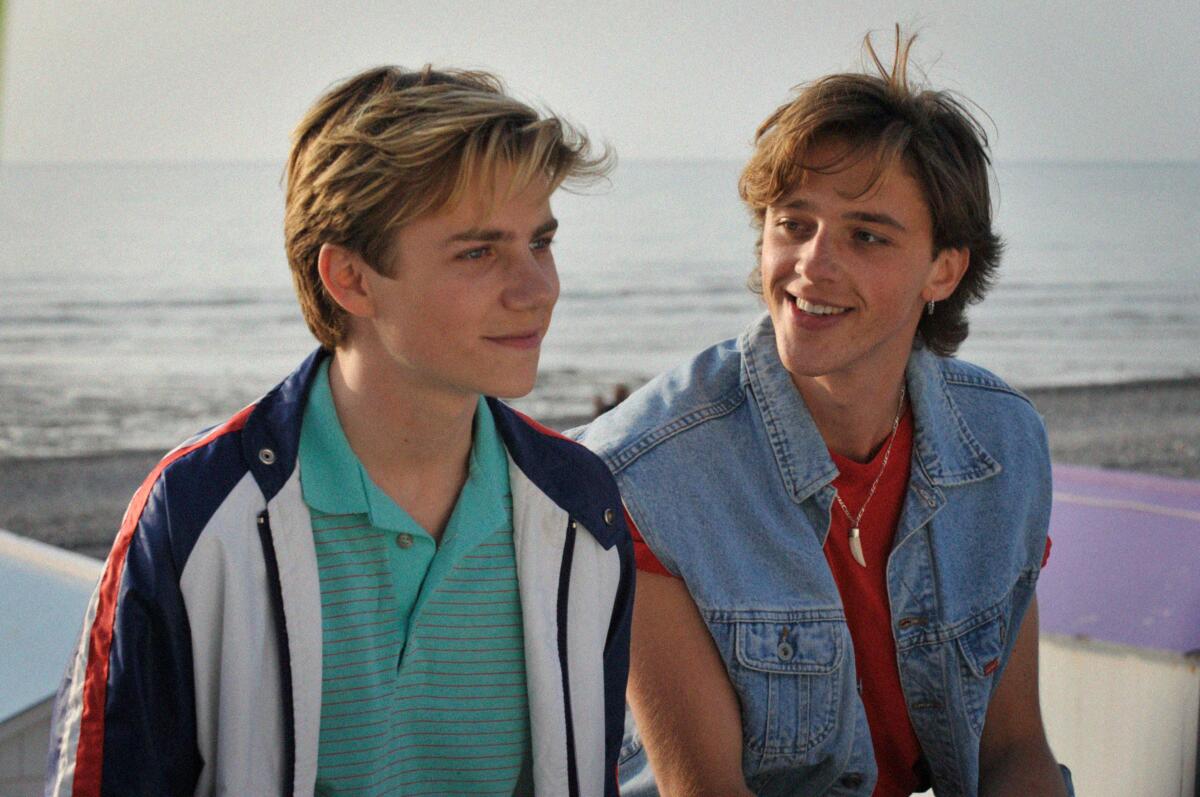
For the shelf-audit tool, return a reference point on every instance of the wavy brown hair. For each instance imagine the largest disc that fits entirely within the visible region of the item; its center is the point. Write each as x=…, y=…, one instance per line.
x=883, y=117
x=391, y=145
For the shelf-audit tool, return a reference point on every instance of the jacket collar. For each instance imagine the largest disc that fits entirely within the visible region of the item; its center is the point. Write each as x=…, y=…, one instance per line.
x=271, y=437
x=570, y=475
x=943, y=445
x=576, y=480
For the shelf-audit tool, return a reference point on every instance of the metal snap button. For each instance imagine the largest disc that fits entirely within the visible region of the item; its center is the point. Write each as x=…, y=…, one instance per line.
x=266, y=456
x=609, y=517
x=785, y=651
x=404, y=540
x=573, y=525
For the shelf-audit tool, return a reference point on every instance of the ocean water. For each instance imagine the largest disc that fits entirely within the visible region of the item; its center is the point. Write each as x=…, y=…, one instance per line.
x=140, y=303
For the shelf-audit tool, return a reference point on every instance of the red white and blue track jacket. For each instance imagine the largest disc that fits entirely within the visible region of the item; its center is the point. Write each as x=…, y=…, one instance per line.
x=199, y=667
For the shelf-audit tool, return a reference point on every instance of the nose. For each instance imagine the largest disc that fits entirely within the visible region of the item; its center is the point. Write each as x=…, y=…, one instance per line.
x=532, y=282
x=818, y=259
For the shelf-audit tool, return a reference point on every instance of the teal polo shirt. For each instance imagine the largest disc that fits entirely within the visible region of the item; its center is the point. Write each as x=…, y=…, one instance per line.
x=423, y=683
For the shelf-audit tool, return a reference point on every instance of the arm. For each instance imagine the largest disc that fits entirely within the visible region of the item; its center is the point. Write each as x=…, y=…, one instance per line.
x=1014, y=758
x=124, y=717
x=685, y=707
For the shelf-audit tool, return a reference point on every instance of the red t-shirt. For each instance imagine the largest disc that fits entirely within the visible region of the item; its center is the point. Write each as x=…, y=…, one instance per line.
x=865, y=599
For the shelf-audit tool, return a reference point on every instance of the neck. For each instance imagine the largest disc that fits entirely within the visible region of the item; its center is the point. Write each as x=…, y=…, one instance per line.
x=855, y=415
x=398, y=427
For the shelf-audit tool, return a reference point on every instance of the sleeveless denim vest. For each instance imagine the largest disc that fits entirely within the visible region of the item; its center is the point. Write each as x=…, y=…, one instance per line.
x=727, y=477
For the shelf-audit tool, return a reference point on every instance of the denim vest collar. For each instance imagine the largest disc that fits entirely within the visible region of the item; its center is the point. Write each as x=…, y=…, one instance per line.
x=944, y=449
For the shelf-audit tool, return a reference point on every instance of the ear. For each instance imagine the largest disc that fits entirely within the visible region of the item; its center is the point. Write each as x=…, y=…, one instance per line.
x=343, y=273
x=948, y=269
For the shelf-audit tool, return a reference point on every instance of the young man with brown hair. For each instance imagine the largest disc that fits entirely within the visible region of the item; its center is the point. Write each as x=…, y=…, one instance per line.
x=841, y=525
x=377, y=579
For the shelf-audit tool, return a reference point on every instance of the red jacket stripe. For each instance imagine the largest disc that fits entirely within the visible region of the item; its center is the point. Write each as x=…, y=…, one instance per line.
x=89, y=755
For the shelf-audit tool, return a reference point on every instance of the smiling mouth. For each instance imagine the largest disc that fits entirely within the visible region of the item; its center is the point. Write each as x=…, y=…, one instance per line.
x=526, y=340
x=819, y=309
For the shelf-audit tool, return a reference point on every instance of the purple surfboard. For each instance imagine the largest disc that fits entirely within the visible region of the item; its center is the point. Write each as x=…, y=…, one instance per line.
x=1125, y=563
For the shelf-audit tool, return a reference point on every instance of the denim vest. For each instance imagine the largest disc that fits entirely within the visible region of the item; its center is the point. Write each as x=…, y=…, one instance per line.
x=729, y=481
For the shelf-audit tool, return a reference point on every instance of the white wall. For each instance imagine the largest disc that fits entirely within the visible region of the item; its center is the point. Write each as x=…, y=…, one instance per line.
x=1123, y=719
x=24, y=740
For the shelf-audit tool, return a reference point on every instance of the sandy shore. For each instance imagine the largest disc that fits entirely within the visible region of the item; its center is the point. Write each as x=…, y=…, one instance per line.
x=1151, y=427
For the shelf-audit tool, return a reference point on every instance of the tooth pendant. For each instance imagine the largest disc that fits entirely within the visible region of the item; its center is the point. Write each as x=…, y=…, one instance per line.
x=856, y=546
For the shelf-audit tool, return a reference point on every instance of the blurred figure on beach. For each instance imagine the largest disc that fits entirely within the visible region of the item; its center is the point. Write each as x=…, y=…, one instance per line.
x=601, y=404
x=378, y=578
x=839, y=526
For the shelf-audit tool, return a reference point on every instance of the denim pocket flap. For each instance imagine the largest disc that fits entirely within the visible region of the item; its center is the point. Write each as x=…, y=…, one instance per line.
x=983, y=646
x=790, y=647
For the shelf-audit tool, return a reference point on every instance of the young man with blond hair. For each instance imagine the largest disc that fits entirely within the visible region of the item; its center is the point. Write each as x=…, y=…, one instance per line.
x=841, y=525
x=377, y=579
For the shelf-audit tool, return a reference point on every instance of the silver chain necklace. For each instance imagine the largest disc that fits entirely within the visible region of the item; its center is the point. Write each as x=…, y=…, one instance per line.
x=855, y=530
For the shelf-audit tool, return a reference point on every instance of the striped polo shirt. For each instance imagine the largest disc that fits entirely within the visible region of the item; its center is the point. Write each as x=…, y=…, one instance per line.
x=423, y=688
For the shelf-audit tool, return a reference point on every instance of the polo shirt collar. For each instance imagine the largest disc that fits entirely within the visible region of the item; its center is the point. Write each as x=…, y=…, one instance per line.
x=482, y=507
x=335, y=482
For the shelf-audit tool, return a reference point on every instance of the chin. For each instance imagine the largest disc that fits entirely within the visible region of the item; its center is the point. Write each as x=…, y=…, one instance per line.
x=803, y=366
x=511, y=388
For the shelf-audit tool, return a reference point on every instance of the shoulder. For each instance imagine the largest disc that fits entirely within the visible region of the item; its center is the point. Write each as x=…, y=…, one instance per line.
x=178, y=498
x=706, y=387
x=256, y=447
x=1002, y=418
x=565, y=471
x=967, y=376
x=527, y=438
x=985, y=397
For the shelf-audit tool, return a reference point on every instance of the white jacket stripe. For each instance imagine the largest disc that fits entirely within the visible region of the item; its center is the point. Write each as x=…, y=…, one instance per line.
x=539, y=559
x=234, y=651
x=595, y=575
x=291, y=526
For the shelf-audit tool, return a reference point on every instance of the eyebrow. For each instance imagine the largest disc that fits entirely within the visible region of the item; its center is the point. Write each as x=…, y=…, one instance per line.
x=491, y=235
x=855, y=215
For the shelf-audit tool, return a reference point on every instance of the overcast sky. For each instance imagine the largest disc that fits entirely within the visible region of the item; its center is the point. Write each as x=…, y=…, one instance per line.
x=155, y=80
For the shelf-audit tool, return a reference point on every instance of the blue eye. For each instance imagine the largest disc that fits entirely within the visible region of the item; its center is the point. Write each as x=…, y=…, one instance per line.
x=795, y=226
x=541, y=244
x=474, y=254
x=868, y=237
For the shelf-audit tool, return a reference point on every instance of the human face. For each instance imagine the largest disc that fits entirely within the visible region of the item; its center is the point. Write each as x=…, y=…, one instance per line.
x=470, y=295
x=845, y=273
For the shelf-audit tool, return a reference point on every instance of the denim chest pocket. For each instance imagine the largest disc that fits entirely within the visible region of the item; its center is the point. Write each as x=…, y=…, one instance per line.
x=980, y=651
x=788, y=677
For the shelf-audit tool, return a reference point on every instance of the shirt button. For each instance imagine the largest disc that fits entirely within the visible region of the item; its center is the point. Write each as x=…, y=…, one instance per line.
x=404, y=540
x=785, y=651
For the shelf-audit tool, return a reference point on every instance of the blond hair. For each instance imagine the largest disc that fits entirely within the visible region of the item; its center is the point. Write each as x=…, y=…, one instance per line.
x=883, y=118
x=389, y=146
